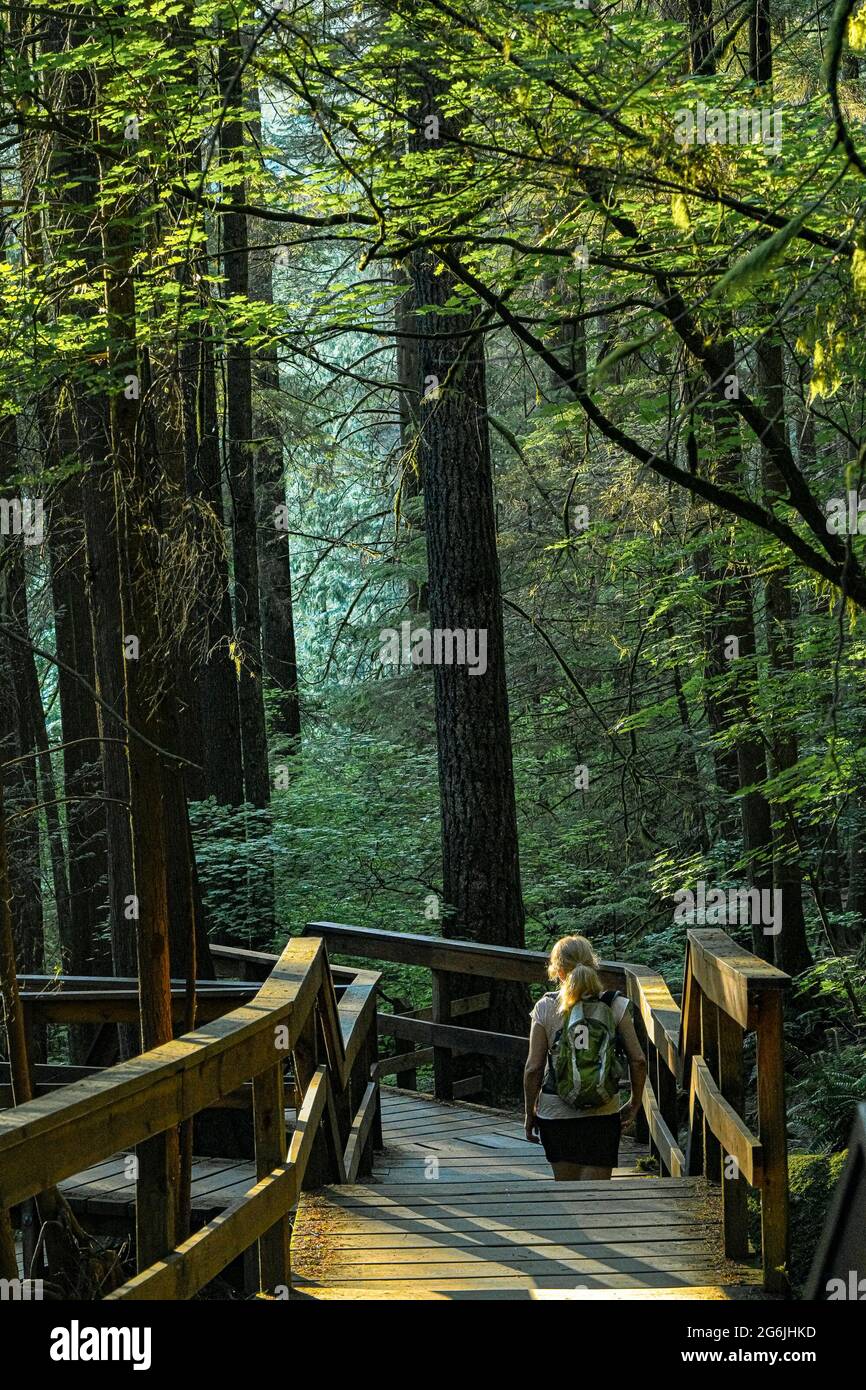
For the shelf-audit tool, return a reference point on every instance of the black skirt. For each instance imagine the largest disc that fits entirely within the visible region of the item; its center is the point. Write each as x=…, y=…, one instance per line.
x=592, y=1142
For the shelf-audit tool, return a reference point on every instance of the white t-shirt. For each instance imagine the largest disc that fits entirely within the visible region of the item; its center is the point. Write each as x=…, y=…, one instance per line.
x=551, y=1106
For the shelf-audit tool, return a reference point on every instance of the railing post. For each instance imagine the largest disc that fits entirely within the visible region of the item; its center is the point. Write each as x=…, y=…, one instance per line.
x=269, y=1122
x=666, y=1095
x=372, y=1050
x=443, y=1071
x=710, y=1053
x=652, y=1058
x=407, y=1080
x=157, y=1172
x=305, y=1059
x=774, y=1141
x=734, y=1199
x=641, y=1128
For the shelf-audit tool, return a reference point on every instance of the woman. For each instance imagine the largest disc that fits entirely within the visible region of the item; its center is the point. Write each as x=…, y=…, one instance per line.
x=578, y=1143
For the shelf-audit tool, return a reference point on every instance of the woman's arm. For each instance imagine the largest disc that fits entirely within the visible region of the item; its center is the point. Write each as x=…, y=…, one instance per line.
x=636, y=1066
x=533, y=1075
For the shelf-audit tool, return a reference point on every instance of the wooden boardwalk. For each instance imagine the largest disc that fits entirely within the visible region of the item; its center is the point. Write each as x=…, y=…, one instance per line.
x=460, y=1206
x=427, y=1199
x=108, y=1189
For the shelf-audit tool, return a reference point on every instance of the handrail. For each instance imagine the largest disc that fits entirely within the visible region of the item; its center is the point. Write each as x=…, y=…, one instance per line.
x=728, y=992
x=61, y=1133
x=696, y=1049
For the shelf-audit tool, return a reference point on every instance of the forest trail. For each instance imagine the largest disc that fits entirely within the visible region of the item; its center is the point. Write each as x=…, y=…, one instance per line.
x=459, y=1205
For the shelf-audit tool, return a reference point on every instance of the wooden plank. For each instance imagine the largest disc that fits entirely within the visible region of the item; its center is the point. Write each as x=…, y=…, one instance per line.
x=204, y=1255
x=482, y=1145
x=453, y=1038
x=361, y=1126
x=469, y=1004
x=220, y=1173
x=309, y=1118
x=731, y=1085
x=121, y=1006
x=703, y=1293
x=518, y=1264
x=692, y=1284
x=405, y=1061
x=441, y=1173
x=728, y=1129
x=451, y=955
x=508, y=1286
x=774, y=1143
x=690, y=1024
x=55, y=1136
x=651, y=1226
x=433, y=1252
x=636, y=1185
x=732, y=977
x=269, y=1129
x=156, y=1197
x=356, y=1011
x=414, y=1128
x=658, y=1012
x=31, y=985
x=467, y=1086
x=455, y=1155
x=259, y=964
x=443, y=1070
x=525, y=1195
x=710, y=1060
x=206, y=1171
x=669, y=1151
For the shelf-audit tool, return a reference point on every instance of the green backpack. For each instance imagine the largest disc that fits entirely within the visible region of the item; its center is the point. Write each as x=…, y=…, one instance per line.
x=586, y=1065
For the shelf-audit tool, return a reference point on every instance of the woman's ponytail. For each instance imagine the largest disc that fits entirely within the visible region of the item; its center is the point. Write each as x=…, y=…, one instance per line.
x=575, y=955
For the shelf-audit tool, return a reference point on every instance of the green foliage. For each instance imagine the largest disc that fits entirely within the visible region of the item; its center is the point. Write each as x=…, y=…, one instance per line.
x=829, y=1087
x=811, y=1180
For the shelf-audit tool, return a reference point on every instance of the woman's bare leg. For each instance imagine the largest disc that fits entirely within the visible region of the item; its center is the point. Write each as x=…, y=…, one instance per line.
x=579, y=1172
x=566, y=1172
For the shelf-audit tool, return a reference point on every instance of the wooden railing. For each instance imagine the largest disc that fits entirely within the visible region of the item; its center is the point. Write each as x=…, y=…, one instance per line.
x=294, y=1014
x=433, y=1032
x=695, y=1058
x=838, y=1272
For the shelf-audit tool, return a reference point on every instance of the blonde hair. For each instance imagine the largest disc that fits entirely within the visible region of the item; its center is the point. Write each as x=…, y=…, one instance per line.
x=574, y=955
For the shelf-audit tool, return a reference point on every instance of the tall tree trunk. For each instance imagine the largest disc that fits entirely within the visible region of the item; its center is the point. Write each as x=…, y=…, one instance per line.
x=790, y=946
x=734, y=617
x=217, y=680
x=480, y=859
x=82, y=779
x=701, y=36
x=279, y=650
x=16, y=746
x=241, y=463
x=409, y=405
x=240, y=458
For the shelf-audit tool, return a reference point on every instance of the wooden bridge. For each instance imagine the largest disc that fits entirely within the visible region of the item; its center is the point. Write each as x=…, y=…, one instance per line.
x=312, y=1179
